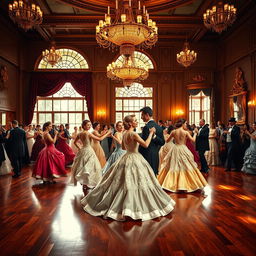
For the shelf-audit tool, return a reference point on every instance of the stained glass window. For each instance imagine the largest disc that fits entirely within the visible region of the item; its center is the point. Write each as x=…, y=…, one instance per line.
x=130, y=100
x=70, y=60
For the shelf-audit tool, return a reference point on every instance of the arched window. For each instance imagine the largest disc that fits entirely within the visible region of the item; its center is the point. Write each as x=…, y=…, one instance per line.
x=140, y=59
x=130, y=100
x=70, y=60
x=65, y=106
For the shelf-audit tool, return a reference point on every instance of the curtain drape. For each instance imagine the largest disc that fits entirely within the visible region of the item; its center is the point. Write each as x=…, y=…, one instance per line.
x=45, y=84
x=206, y=91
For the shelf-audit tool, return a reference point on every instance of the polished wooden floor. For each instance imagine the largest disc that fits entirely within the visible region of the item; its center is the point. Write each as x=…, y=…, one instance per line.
x=37, y=219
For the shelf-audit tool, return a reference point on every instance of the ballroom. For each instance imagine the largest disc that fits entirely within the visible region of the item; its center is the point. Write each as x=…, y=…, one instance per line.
x=66, y=61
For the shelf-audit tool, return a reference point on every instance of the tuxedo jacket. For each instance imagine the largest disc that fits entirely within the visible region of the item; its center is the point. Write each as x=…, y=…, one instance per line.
x=235, y=135
x=202, y=139
x=17, y=143
x=151, y=153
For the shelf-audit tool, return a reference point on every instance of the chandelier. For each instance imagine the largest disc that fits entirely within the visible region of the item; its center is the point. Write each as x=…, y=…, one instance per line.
x=130, y=27
x=52, y=56
x=26, y=15
x=128, y=71
x=220, y=17
x=186, y=57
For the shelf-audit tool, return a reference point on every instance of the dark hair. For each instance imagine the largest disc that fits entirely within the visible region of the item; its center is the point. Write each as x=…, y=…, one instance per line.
x=147, y=110
x=95, y=124
x=103, y=126
x=46, y=125
x=61, y=125
x=66, y=125
x=127, y=120
x=84, y=123
x=189, y=127
x=117, y=123
x=161, y=121
x=180, y=122
x=15, y=122
x=170, y=129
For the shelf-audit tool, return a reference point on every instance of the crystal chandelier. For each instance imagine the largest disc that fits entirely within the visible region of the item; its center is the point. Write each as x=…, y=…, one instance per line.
x=131, y=27
x=129, y=71
x=26, y=15
x=220, y=17
x=186, y=57
x=52, y=56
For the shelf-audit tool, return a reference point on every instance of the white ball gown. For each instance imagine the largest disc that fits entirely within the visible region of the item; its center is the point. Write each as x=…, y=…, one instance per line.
x=30, y=141
x=86, y=167
x=129, y=188
x=6, y=167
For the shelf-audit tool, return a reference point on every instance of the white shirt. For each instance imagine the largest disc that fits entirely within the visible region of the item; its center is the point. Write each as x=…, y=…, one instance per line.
x=229, y=134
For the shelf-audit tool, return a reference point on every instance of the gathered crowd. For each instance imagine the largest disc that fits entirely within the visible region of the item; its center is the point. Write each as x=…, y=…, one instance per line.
x=124, y=171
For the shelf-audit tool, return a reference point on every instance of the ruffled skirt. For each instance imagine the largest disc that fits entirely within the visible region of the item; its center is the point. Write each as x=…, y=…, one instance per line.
x=129, y=188
x=86, y=168
x=50, y=164
x=179, y=171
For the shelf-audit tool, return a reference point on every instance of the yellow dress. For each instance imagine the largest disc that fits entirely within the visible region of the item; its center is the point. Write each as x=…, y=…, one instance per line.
x=99, y=152
x=179, y=171
x=164, y=150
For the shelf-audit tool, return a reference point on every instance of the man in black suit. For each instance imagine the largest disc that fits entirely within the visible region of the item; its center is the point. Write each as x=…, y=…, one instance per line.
x=233, y=145
x=151, y=153
x=202, y=144
x=18, y=146
x=67, y=134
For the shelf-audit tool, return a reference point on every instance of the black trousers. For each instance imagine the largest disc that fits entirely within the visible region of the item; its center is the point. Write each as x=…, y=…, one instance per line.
x=17, y=163
x=204, y=165
x=233, y=156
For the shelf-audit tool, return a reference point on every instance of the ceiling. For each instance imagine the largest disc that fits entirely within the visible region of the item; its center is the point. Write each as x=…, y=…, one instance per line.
x=75, y=20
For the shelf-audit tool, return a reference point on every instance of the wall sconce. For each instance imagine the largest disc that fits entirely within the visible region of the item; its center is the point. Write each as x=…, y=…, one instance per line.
x=179, y=112
x=251, y=103
x=101, y=114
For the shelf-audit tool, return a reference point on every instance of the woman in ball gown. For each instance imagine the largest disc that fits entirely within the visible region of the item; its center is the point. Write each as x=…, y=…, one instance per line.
x=73, y=137
x=180, y=170
x=50, y=163
x=212, y=156
x=167, y=147
x=30, y=139
x=38, y=145
x=86, y=167
x=104, y=143
x=129, y=188
x=191, y=145
x=250, y=154
x=63, y=146
x=5, y=164
x=96, y=144
x=118, y=152
x=245, y=138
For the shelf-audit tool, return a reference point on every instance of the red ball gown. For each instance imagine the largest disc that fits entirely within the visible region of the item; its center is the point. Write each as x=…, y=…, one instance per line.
x=50, y=163
x=63, y=147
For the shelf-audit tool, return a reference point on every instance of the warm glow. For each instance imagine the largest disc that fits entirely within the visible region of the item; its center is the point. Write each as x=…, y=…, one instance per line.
x=252, y=103
x=179, y=112
x=129, y=28
x=247, y=219
x=101, y=113
x=244, y=197
x=219, y=17
x=225, y=187
x=27, y=15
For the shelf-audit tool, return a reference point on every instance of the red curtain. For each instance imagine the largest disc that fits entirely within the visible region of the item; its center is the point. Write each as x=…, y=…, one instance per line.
x=45, y=84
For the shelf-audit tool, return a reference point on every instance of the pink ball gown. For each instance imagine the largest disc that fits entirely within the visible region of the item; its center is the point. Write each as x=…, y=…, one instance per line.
x=50, y=163
x=192, y=148
x=63, y=147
